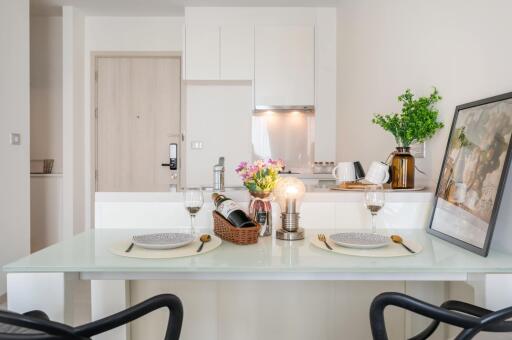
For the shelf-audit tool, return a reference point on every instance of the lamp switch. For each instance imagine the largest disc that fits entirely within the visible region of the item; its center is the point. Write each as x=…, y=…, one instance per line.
x=15, y=138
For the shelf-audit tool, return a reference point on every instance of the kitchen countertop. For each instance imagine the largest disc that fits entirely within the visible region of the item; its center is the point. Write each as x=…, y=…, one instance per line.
x=312, y=195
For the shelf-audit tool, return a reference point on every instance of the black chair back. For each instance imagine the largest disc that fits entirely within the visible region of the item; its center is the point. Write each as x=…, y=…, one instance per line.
x=472, y=319
x=35, y=326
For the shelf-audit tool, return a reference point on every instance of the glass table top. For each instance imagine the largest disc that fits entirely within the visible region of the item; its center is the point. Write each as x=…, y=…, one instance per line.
x=89, y=252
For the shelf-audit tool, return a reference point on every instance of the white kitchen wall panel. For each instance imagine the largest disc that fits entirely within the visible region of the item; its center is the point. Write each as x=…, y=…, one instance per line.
x=320, y=210
x=284, y=65
x=202, y=52
x=236, y=52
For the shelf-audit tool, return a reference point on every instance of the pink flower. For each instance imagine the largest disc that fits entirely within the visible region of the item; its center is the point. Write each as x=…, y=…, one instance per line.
x=253, y=169
x=259, y=164
x=241, y=167
x=276, y=164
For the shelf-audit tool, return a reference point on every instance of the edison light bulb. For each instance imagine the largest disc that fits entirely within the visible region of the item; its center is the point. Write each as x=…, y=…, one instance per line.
x=289, y=192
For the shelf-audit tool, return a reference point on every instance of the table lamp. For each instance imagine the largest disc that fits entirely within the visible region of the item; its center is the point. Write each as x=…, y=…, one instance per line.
x=289, y=192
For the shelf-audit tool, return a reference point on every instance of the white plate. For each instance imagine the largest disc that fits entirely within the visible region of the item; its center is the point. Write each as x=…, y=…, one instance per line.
x=163, y=240
x=360, y=240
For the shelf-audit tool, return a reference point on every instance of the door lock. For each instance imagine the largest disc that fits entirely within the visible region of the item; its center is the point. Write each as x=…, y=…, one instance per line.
x=173, y=157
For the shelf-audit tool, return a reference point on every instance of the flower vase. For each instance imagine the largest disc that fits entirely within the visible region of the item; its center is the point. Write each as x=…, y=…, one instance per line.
x=402, y=169
x=260, y=210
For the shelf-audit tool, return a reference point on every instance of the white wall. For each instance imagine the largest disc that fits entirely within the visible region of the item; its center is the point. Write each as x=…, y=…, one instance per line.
x=46, y=89
x=325, y=84
x=46, y=129
x=219, y=115
x=73, y=184
x=459, y=46
x=133, y=33
x=14, y=117
x=45, y=211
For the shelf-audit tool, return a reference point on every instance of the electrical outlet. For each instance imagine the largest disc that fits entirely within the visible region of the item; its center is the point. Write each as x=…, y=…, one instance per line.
x=15, y=138
x=419, y=150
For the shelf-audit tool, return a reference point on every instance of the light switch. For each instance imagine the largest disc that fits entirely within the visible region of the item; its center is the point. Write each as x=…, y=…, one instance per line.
x=15, y=138
x=419, y=150
x=196, y=145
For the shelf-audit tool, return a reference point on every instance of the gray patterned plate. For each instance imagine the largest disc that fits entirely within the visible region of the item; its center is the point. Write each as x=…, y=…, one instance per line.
x=360, y=240
x=163, y=240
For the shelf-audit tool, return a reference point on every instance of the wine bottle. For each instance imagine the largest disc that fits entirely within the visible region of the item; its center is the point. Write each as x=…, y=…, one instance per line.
x=231, y=211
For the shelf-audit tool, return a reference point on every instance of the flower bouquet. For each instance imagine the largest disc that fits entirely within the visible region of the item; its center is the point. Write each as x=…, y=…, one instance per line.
x=260, y=177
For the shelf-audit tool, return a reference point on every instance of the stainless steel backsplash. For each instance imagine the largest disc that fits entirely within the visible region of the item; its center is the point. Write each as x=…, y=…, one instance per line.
x=289, y=136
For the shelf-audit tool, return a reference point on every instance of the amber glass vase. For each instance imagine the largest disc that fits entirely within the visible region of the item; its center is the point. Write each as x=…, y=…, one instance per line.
x=402, y=169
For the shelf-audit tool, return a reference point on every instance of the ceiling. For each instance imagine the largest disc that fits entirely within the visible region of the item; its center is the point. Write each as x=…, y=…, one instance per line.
x=157, y=7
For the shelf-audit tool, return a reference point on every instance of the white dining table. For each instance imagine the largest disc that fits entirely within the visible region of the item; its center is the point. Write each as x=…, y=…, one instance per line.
x=45, y=280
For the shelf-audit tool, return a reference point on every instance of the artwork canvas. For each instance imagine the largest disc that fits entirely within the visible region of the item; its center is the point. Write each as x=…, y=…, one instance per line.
x=473, y=173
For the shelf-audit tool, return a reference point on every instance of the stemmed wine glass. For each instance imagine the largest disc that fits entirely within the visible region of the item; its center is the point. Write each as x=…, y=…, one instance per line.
x=374, y=201
x=193, y=201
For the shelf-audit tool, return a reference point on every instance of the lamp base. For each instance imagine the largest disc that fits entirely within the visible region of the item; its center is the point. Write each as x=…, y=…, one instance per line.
x=282, y=234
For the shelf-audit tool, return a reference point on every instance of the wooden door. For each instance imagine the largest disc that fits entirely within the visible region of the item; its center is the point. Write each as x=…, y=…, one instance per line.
x=138, y=116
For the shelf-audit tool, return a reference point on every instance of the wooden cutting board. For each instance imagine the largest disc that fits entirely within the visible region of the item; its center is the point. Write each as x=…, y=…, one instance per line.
x=360, y=186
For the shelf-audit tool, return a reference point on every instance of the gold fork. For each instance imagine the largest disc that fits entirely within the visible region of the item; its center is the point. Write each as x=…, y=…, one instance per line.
x=322, y=238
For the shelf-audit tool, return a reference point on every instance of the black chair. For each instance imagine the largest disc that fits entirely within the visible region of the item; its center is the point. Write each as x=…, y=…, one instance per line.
x=35, y=325
x=471, y=318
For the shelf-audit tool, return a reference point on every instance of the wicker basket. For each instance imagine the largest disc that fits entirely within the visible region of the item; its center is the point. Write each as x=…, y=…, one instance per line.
x=226, y=231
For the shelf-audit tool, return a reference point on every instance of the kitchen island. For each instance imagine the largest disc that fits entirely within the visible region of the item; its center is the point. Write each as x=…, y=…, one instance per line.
x=249, y=292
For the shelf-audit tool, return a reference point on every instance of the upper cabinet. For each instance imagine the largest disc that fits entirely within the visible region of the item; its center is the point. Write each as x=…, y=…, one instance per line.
x=202, y=52
x=284, y=62
x=219, y=52
x=236, y=52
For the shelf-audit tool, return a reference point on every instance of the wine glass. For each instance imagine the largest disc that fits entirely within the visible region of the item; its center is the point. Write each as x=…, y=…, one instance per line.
x=193, y=201
x=374, y=201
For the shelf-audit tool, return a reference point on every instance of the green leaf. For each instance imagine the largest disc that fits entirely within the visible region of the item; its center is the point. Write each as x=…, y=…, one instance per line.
x=416, y=123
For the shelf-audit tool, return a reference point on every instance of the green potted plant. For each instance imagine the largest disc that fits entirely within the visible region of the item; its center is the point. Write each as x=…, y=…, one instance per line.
x=417, y=123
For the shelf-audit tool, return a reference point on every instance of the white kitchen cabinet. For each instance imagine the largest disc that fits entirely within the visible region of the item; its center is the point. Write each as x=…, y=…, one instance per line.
x=284, y=66
x=202, y=52
x=236, y=52
x=215, y=52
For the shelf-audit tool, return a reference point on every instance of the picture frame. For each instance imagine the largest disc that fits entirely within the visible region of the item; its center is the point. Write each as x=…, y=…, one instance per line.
x=473, y=174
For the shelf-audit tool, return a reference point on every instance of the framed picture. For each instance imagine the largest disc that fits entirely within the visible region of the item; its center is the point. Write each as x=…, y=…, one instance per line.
x=473, y=175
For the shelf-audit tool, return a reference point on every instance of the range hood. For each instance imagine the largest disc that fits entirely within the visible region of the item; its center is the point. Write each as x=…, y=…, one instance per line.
x=285, y=108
